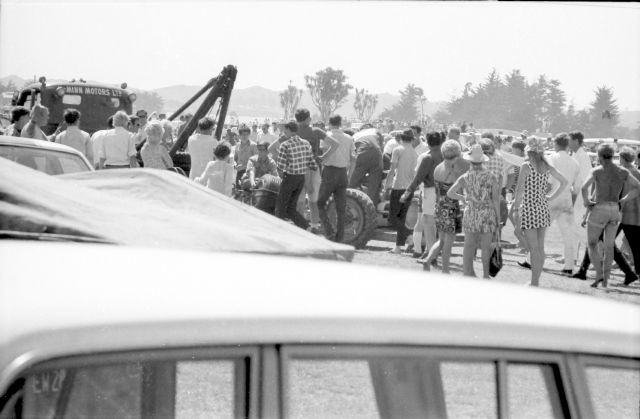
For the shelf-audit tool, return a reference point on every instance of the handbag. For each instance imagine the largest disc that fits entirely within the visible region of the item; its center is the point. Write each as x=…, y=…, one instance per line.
x=495, y=263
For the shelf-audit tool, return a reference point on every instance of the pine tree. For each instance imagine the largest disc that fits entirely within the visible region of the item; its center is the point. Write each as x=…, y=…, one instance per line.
x=604, y=115
x=406, y=109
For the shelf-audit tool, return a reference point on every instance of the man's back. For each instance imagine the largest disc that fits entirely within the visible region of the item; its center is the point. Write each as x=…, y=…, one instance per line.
x=406, y=159
x=313, y=135
x=200, y=147
x=569, y=168
x=609, y=180
x=75, y=138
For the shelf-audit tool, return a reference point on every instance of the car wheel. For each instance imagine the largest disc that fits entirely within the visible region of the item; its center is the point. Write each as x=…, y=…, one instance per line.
x=360, y=218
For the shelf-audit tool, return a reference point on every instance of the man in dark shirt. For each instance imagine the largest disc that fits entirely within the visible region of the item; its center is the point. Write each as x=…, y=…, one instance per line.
x=314, y=136
x=295, y=159
x=609, y=180
x=19, y=118
x=368, y=162
x=426, y=223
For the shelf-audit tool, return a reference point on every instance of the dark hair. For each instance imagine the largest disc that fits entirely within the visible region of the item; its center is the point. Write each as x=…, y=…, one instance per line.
x=71, y=116
x=605, y=151
x=205, y=124
x=302, y=115
x=365, y=126
x=627, y=154
x=349, y=132
x=335, y=120
x=562, y=140
x=17, y=113
x=263, y=144
x=222, y=151
x=577, y=135
x=407, y=135
x=110, y=121
x=519, y=144
x=292, y=125
x=244, y=128
x=433, y=139
x=488, y=135
x=416, y=128
x=487, y=145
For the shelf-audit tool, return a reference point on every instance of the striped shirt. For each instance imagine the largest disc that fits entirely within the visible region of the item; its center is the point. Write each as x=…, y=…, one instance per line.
x=296, y=156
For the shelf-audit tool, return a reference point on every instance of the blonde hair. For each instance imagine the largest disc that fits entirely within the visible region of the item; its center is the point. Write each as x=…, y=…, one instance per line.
x=451, y=149
x=155, y=131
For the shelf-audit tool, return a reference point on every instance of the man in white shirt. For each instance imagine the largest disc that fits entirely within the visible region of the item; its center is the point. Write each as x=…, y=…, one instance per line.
x=118, y=148
x=141, y=134
x=584, y=163
x=200, y=147
x=253, y=137
x=561, y=208
x=96, y=142
x=73, y=136
x=264, y=136
x=336, y=162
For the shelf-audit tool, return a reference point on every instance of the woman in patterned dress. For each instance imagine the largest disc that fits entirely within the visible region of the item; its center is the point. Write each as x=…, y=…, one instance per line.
x=447, y=212
x=480, y=220
x=533, y=203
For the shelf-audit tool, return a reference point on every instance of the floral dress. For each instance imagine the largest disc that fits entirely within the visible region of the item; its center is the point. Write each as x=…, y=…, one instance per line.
x=480, y=214
x=448, y=217
x=534, y=210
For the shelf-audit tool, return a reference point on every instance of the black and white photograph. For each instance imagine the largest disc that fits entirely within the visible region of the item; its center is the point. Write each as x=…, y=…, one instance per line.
x=319, y=209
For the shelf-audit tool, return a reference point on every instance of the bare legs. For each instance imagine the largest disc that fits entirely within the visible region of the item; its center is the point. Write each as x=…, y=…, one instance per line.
x=444, y=244
x=471, y=243
x=535, y=242
x=603, y=267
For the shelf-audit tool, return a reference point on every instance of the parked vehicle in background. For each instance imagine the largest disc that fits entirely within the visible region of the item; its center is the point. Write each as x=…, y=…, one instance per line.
x=44, y=156
x=96, y=101
x=144, y=337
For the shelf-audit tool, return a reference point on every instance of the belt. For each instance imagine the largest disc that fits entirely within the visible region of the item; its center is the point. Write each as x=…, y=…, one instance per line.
x=117, y=166
x=607, y=204
x=334, y=167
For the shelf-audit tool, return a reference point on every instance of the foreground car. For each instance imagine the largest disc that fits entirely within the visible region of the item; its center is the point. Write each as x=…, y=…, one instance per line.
x=43, y=156
x=128, y=334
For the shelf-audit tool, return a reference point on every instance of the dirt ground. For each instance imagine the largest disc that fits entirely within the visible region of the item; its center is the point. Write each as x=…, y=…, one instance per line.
x=376, y=253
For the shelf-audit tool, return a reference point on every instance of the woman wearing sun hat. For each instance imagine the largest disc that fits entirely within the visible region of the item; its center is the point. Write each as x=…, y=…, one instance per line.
x=480, y=219
x=533, y=202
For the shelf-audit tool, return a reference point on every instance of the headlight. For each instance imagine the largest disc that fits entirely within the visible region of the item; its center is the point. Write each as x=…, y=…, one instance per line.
x=60, y=91
x=123, y=86
x=132, y=97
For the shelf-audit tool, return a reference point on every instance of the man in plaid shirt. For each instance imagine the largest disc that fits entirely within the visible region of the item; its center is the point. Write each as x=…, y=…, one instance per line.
x=295, y=159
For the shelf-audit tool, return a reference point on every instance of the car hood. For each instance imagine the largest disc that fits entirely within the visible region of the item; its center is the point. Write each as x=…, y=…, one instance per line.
x=146, y=207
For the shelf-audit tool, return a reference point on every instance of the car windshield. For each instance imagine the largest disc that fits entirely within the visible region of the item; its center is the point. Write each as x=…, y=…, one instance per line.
x=47, y=161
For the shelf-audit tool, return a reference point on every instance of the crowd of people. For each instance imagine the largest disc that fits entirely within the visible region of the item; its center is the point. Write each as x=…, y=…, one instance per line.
x=465, y=182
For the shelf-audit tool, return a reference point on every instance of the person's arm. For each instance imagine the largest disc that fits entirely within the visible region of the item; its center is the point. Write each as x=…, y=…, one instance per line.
x=453, y=190
x=229, y=179
x=522, y=177
x=202, y=179
x=133, y=162
x=251, y=172
x=585, y=190
x=282, y=159
x=563, y=183
x=273, y=170
x=633, y=187
x=423, y=170
x=88, y=147
x=333, y=147
x=496, y=188
x=273, y=148
x=392, y=170
x=166, y=158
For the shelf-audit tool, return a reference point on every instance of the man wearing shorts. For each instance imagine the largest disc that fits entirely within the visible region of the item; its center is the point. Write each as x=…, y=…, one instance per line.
x=609, y=180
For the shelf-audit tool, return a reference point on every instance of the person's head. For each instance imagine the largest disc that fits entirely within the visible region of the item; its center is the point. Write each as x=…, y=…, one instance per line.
x=134, y=123
x=433, y=139
x=254, y=127
x=576, y=140
x=121, y=119
x=71, y=116
x=561, y=141
x=154, y=131
x=274, y=126
x=265, y=128
x=303, y=116
x=244, y=132
x=142, y=117
x=454, y=133
x=416, y=130
x=206, y=125
x=335, y=121
x=222, y=151
x=605, y=153
x=349, y=131
x=476, y=156
x=407, y=136
x=263, y=149
x=450, y=149
x=19, y=116
x=290, y=128
x=40, y=115
x=487, y=145
x=517, y=147
x=162, y=116
x=535, y=150
x=627, y=156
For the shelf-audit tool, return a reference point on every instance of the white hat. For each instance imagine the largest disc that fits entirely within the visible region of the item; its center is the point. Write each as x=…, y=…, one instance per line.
x=475, y=154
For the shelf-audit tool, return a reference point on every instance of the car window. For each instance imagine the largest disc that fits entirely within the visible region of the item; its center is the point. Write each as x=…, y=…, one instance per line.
x=470, y=389
x=71, y=99
x=115, y=102
x=46, y=161
x=533, y=391
x=615, y=392
x=180, y=389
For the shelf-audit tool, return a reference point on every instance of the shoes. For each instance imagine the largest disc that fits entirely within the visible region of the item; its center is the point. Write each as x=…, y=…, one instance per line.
x=525, y=264
x=630, y=278
x=396, y=250
x=567, y=272
x=598, y=281
x=580, y=275
x=416, y=255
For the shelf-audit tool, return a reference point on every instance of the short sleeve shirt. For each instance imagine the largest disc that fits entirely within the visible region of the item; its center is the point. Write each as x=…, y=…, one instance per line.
x=313, y=135
x=406, y=158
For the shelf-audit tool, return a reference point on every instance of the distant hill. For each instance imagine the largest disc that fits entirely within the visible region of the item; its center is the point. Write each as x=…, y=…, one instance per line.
x=630, y=119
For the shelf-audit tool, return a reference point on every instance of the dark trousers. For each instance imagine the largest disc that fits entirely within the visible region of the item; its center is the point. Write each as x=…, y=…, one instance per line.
x=398, y=215
x=369, y=163
x=239, y=175
x=334, y=182
x=290, y=189
x=618, y=257
x=632, y=233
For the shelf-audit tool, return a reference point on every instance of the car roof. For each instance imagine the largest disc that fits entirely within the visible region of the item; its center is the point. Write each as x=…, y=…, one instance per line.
x=111, y=298
x=33, y=143
x=74, y=83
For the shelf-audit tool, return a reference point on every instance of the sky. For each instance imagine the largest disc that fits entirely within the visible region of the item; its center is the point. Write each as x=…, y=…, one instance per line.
x=380, y=46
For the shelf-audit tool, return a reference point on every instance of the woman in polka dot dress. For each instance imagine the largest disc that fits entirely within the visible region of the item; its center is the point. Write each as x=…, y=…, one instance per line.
x=533, y=203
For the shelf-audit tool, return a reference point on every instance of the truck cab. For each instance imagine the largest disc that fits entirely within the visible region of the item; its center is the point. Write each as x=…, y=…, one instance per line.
x=96, y=101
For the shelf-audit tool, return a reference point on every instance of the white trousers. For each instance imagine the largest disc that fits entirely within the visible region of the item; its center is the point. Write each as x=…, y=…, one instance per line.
x=566, y=223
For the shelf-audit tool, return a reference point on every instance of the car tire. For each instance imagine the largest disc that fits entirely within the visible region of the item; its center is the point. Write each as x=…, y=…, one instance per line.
x=361, y=218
